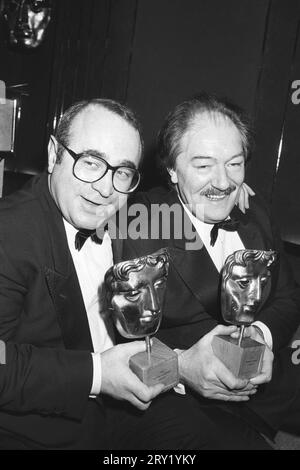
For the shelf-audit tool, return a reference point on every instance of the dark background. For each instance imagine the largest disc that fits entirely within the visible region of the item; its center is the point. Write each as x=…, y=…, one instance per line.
x=152, y=54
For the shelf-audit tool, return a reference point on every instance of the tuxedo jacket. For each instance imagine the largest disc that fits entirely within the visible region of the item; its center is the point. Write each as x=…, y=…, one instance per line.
x=192, y=302
x=47, y=378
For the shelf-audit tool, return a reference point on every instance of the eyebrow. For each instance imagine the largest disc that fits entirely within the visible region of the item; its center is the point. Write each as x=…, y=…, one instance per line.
x=96, y=153
x=207, y=157
x=241, y=154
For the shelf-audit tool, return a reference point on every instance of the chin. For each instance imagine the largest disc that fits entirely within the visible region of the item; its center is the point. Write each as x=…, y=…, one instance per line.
x=215, y=211
x=84, y=223
x=216, y=217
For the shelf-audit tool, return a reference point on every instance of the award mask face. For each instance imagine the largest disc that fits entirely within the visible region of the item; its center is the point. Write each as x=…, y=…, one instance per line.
x=136, y=291
x=245, y=277
x=27, y=21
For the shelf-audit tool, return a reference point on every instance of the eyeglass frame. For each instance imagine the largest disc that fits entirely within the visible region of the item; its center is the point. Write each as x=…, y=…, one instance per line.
x=113, y=169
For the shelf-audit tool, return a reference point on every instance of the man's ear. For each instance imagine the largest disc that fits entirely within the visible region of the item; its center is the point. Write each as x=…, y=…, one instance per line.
x=173, y=175
x=52, y=153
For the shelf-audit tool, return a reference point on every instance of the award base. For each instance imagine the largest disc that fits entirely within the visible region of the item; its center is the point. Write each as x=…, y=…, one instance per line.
x=162, y=368
x=244, y=360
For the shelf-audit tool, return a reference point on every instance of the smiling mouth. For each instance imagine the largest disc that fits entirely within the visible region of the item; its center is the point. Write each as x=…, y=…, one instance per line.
x=212, y=197
x=91, y=202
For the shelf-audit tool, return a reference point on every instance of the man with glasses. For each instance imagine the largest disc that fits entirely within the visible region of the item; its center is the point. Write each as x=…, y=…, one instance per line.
x=91, y=168
x=64, y=384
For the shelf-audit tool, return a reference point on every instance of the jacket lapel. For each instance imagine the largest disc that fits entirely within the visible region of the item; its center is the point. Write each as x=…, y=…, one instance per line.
x=61, y=277
x=249, y=230
x=197, y=269
x=195, y=266
x=255, y=236
x=200, y=275
x=117, y=247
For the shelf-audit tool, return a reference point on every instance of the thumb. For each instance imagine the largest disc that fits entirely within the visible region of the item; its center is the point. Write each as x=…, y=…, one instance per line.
x=156, y=389
x=224, y=330
x=135, y=347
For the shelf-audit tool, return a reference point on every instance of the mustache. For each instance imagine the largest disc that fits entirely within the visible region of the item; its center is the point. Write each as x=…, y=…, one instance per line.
x=218, y=192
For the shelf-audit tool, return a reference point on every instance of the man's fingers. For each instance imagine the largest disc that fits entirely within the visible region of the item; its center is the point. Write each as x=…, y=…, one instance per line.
x=138, y=403
x=220, y=396
x=262, y=378
x=243, y=197
x=243, y=200
x=240, y=199
x=219, y=390
x=246, y=197
x=259, y=379
x=133, y=347
x=250, y=190
x=228, y=379
x=267, y=369
x=156, y=390
x=244, y=392
x=249, y=387
x=246, y=334
x=223, y=330
x=142, y=392
x=147, y=394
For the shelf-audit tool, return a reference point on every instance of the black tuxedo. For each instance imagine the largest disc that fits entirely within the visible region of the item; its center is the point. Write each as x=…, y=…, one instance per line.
x=192, y=303
x=47, y=378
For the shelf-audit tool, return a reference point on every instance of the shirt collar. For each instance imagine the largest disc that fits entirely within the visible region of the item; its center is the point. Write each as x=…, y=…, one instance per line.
x=200, y=226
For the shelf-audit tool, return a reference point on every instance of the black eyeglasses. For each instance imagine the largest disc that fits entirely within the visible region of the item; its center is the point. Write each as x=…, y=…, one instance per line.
x=89, y=169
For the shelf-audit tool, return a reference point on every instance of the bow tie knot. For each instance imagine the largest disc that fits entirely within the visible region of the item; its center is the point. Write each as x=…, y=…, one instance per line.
x=82, y=236
x=230, y=225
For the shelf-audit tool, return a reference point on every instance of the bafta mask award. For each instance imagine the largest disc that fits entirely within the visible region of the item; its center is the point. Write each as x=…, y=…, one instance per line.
x=27, y=21
x=135, y=294
x=246, y=278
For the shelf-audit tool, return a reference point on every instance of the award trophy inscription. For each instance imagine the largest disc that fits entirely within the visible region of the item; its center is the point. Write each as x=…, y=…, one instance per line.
x=135, y=294
x=246, y=277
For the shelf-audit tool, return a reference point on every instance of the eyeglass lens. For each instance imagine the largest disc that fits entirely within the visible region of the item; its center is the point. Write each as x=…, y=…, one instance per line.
x=90, y=169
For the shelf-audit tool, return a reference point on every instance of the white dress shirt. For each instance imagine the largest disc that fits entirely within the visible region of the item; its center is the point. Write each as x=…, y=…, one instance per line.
x=226, y=243
x=91, y=264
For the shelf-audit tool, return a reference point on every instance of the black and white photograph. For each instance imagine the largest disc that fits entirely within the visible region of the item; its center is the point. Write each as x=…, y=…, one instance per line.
x=149, y=228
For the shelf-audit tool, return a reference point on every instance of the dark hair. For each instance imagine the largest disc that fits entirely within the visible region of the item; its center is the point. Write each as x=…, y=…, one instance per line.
x=63, y=129
x=178, y=121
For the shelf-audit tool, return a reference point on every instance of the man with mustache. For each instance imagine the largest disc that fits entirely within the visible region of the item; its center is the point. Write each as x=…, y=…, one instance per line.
x=203, y=147
x=64, y=385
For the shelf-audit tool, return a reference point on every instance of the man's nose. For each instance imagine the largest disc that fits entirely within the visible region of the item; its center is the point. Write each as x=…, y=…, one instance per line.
x=255, y=293
x=104, y=186
x=220, y=179
x=151, y=300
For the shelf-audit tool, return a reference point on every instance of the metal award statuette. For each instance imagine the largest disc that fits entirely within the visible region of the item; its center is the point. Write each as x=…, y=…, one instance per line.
x=26, y=21
x=135, y=294
x=246, y=278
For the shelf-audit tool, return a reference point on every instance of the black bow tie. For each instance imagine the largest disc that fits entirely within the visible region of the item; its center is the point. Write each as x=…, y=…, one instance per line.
x=83, y=235
x=231, y=225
